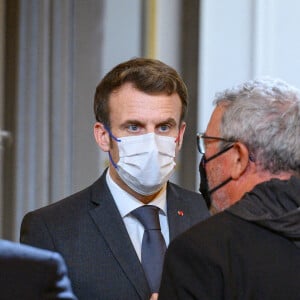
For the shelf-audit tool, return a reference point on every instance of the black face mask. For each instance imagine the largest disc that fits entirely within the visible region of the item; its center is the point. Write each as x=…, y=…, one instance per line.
x=204, y=188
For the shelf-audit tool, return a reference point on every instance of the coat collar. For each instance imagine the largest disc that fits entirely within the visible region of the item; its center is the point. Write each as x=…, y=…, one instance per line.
x=179, y=212
x=110, y=225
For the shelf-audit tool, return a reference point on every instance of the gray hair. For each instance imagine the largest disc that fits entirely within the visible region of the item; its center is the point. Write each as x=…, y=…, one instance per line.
x=265, y=116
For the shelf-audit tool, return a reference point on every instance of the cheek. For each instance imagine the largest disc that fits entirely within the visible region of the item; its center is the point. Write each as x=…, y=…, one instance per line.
x=214, y=175
x=220, y=198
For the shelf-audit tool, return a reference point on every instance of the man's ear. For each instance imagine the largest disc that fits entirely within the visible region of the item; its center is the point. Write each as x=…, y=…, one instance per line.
x=102, y=136
x=239, y=160
x=180, y=134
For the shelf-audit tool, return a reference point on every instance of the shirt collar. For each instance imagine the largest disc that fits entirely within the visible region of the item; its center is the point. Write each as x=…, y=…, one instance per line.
x=126, y=203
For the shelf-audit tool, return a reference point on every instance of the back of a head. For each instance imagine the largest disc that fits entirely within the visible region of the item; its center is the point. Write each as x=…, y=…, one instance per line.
x=150, y=76
x=264, y=115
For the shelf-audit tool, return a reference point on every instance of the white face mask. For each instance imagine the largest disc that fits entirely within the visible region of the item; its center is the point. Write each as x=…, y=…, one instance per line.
x=146, y=161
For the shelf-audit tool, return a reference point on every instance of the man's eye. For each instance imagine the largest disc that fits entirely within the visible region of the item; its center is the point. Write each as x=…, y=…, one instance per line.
x=164, y=128
x=133, y=128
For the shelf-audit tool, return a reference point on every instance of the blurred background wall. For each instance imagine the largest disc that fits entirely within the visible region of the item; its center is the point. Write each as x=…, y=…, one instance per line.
x=53, y=53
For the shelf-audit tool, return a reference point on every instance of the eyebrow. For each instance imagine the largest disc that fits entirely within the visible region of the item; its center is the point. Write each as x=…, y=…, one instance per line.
x=169, y=121
x=129, y=122
x=138, y=122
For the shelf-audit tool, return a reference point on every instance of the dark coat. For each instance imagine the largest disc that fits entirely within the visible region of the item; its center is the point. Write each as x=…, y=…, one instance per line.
x=31, y=273
x=228, y=257
x=87, y=229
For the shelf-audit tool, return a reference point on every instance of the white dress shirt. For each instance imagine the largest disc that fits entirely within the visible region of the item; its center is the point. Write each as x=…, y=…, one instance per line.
x=126, y=203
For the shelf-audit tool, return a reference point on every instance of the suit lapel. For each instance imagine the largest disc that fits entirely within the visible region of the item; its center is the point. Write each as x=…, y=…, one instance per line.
x=110, y=224
x=179, y=213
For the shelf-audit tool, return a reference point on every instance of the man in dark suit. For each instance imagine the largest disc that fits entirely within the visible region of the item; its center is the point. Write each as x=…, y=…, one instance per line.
x=30, y=273
x=140, y=107
x=251, y=170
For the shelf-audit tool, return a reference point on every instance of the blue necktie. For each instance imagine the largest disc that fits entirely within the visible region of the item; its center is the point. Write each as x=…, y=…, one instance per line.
x=153, y=244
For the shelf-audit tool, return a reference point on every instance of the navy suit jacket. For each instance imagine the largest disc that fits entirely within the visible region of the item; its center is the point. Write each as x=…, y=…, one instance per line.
x=31, y=273
x=87, y=229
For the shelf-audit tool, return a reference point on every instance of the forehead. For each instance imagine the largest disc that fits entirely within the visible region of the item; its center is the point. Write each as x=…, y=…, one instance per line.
x=129, y=103
x=213, y=127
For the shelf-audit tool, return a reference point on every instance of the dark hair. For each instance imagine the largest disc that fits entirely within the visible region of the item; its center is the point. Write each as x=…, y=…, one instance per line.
x=147, y=75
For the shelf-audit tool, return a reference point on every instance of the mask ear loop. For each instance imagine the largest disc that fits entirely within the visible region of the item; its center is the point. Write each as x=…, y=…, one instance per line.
x=111, y=135
x=178, y=137
x=111, y=160
x=117, y=140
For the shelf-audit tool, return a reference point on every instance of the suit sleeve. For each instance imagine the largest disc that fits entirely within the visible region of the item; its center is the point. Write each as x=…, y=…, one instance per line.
x=60, y=285
x=189, y=273
x=34, y=232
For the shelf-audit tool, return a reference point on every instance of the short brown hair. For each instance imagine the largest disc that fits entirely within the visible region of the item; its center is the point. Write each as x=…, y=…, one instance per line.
x=147, y=75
